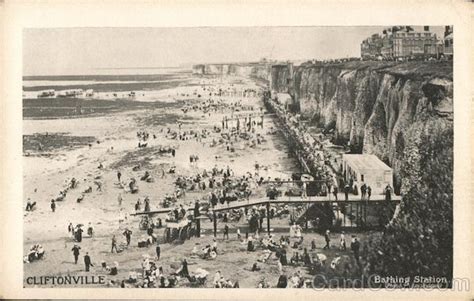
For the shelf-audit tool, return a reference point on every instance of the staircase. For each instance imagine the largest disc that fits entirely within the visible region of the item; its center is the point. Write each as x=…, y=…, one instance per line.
x=311, y=212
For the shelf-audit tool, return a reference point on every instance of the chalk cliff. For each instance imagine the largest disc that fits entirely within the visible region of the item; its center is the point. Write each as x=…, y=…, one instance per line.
x=373, y=105
x=403, y=113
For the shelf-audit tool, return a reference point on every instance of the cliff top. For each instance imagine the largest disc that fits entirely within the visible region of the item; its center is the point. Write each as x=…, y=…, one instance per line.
x=411, y=69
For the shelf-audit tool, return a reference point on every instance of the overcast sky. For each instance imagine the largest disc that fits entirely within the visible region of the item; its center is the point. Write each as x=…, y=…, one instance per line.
x=62, y=51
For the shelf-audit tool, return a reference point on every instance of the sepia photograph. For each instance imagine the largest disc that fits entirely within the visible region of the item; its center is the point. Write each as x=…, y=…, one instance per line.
x=312, y=157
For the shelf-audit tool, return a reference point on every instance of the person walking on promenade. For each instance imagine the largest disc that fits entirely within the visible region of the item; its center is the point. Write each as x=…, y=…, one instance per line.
x=334, y=192
x=53, y=206
x=304, y=194
x=369, y=192
x=347, y=188
x=363, y=191
x=388, y=193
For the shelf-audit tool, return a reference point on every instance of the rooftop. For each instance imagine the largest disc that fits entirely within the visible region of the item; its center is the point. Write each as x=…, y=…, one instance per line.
x=364, y=162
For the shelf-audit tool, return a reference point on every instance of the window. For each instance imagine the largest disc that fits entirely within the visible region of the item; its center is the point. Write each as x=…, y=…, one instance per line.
x=362, y=178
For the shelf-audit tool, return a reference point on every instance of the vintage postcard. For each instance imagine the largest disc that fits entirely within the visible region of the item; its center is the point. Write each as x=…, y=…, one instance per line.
x=189, y=157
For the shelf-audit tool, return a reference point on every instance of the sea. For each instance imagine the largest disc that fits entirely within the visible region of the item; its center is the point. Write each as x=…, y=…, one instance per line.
x=108, y=81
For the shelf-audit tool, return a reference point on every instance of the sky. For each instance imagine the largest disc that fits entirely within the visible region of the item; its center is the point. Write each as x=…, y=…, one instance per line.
x=75, y=51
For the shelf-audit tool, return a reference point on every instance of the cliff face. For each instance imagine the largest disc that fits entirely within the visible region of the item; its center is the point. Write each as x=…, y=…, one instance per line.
x=375, y=106
x=259, y=71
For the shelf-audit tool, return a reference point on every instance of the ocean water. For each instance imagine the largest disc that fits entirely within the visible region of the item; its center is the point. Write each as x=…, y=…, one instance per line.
x=108, y=80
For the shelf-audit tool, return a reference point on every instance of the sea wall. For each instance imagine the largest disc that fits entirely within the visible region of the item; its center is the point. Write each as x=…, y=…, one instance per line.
x=374, y=106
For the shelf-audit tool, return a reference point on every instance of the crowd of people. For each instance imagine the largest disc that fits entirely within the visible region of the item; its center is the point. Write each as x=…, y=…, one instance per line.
x=308, y=148
x=217, y=186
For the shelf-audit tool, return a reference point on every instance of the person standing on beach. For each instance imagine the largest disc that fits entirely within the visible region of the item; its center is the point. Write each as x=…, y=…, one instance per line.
x=87, y=262
x=355, y=246
x=147, y=204
x=158, y=251
x=75, y=252
x=114, y=244
x=196, y=212
x=226, y=231
x=53, y=206
x=343, y=241
x=128, y=235
x=313, y=245
x=29, y=205
x=119, y=175
x=78, y=233
x=70, y=229
x=138, y=205
x=327, y=239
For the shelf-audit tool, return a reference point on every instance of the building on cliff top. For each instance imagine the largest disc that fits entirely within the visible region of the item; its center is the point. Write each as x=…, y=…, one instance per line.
x=400, y=42
x=414, y=43
x=368, y=169
x=371, y=47
x=448, y=41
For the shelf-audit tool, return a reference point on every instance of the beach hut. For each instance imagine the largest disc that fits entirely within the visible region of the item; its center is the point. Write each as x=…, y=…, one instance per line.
x=368, y=169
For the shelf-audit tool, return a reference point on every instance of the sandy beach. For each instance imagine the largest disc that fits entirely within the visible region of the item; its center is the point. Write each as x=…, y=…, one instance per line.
x=115, y=147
